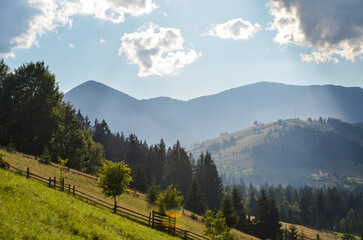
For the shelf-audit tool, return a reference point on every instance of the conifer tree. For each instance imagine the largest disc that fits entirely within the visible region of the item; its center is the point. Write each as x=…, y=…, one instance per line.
x=228, y=211
x=239, y=209
x=139, y=182
x=211, y=183
x=195, y=201
x=153, y=191
x=293, y=234
x=262, y=217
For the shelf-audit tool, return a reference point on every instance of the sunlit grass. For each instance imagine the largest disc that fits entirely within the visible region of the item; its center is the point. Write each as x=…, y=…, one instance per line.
x=30, y=210
x=135, y=202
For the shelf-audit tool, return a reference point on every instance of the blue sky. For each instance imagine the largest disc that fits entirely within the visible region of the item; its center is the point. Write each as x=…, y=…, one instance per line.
x=183, y=48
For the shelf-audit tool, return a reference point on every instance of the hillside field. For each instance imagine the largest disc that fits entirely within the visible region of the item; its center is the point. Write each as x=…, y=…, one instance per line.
x=30, y=210
x=134, y=201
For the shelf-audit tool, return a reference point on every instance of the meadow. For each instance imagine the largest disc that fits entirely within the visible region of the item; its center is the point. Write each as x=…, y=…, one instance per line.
x=30, y=210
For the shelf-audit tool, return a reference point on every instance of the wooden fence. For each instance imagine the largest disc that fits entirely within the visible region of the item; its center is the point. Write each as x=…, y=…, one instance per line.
x=155, y=220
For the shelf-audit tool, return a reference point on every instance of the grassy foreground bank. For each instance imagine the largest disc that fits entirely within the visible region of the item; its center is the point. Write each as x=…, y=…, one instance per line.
x=30, y=210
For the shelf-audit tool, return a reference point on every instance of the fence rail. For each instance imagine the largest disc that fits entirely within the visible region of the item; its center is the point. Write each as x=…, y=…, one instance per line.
x=156, y=220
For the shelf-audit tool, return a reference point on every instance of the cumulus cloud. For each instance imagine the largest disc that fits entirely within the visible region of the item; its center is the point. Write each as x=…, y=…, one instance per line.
x=23, y=21
x=236, y=29
x=331, y=28
x=102, y=40
x=71, y=45
x=157, y=50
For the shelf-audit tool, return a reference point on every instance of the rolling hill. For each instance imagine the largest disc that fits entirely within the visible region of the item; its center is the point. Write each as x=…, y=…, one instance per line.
x=207, y=117
x=291, y=151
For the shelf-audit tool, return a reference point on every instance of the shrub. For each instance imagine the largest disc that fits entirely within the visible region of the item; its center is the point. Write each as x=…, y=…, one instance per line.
x=168, y=199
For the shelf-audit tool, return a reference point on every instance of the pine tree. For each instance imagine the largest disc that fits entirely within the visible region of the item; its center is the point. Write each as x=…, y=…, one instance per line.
x=195, y=201
x=274, y=221
x=267, y=219
x=228, y=211
x=262, y=219
x=178, y=168
x=210, y=182
x=153, y=192
x=239, y=209
x=293, y=234
x=139, y=182
x=252, y=203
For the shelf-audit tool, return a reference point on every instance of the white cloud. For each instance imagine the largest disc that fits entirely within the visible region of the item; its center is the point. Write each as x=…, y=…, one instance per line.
x=331, y=28
x=102, y=40
x=236, y=29
x=33, y=18
x=71, y=45
x=157, y=50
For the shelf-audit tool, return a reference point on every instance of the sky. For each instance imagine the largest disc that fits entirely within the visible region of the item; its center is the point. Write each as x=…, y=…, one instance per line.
x=185, y=48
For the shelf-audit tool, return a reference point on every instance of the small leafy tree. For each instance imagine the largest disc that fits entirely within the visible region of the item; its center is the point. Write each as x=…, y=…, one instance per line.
x=62, y=166
x=216, y=228
x=170, y=198
x=114, y=179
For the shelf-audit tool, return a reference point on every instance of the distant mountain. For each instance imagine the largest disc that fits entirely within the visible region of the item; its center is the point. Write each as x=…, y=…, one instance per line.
x=207, y=117
x=291, y=151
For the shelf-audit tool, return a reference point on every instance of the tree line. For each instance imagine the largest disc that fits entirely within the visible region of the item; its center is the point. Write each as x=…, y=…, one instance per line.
x=321, y=208
x=34, y=119
x=157, y=167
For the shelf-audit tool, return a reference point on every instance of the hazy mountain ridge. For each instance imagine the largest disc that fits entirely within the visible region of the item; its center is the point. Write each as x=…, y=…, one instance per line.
x=290, y=151
x=206, y=117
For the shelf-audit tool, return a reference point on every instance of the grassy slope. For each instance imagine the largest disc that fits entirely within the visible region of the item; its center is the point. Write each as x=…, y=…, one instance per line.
x=89, y=186
x=30, y=210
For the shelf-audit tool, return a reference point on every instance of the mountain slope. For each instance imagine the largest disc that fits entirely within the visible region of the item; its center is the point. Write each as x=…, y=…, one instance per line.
x=206, y=117
x=291, y=151
x=123, y=113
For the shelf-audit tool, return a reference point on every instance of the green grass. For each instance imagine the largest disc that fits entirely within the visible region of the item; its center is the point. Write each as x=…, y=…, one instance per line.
x=340, y=236
x=30, y=210
x=89, y=186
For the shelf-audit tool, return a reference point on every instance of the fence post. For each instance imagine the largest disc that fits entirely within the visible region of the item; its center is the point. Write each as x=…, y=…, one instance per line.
x=74, y=189
x=69, y=188
x=115, y=210
x=185, y=234
x=169, y=226
x=149, y=217
x=62, y=184
x=153, y=219
x=55, y=182
x=50, y=181
x=27, y=173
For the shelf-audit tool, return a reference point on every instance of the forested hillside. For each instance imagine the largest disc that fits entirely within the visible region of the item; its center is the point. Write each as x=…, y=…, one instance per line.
x=319, y=152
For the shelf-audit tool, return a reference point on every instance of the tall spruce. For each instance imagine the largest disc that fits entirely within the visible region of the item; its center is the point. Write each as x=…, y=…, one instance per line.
x=210, y=182
x=139, y=182
x=239, y=209
x=195, y=201
x=178, y=168
x=228, y=211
